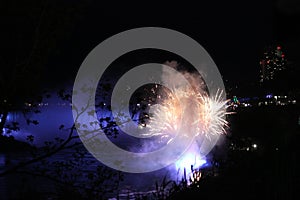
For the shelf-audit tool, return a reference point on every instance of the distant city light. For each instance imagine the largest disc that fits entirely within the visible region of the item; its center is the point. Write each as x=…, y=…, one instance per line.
x=269, y=96
x=272, y=61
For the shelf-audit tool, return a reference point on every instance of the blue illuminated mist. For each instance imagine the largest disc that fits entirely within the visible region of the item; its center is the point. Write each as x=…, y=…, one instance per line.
x=54, y=113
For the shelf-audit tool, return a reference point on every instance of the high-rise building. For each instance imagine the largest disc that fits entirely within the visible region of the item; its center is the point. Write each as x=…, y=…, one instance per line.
x=272, y=62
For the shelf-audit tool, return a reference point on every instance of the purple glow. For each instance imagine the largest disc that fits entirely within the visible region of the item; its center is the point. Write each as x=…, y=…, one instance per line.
x=191, y=159
x=269, y=96
x=54, y=112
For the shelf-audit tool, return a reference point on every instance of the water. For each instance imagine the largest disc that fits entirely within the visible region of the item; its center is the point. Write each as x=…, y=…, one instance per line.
x=19, y=185
x=52, y=116
x=15, y=186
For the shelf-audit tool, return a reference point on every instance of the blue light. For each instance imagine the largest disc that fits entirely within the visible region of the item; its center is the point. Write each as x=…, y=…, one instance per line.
x=269, y=96
x=188, y=160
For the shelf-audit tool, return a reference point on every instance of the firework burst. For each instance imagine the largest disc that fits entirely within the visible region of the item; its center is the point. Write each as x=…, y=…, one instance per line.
x=183, y=108
x=212, y=114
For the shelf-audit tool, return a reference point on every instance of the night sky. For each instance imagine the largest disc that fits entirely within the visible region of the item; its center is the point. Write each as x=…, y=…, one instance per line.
x=234, y=33
x=43, y=43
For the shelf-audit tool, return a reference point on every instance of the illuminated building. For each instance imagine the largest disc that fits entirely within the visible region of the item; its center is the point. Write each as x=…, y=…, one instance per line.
x=272, y=62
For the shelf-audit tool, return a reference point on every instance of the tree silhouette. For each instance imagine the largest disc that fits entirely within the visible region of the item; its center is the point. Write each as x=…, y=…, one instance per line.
x=32, y=33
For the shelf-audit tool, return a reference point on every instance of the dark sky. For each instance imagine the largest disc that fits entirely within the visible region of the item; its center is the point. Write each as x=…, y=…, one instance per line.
x=234, y=33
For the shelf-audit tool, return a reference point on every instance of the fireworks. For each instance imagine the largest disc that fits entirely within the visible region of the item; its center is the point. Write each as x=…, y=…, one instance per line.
x=189, y=113
x=212, y=114
x=184, y=107
x=187, y=118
